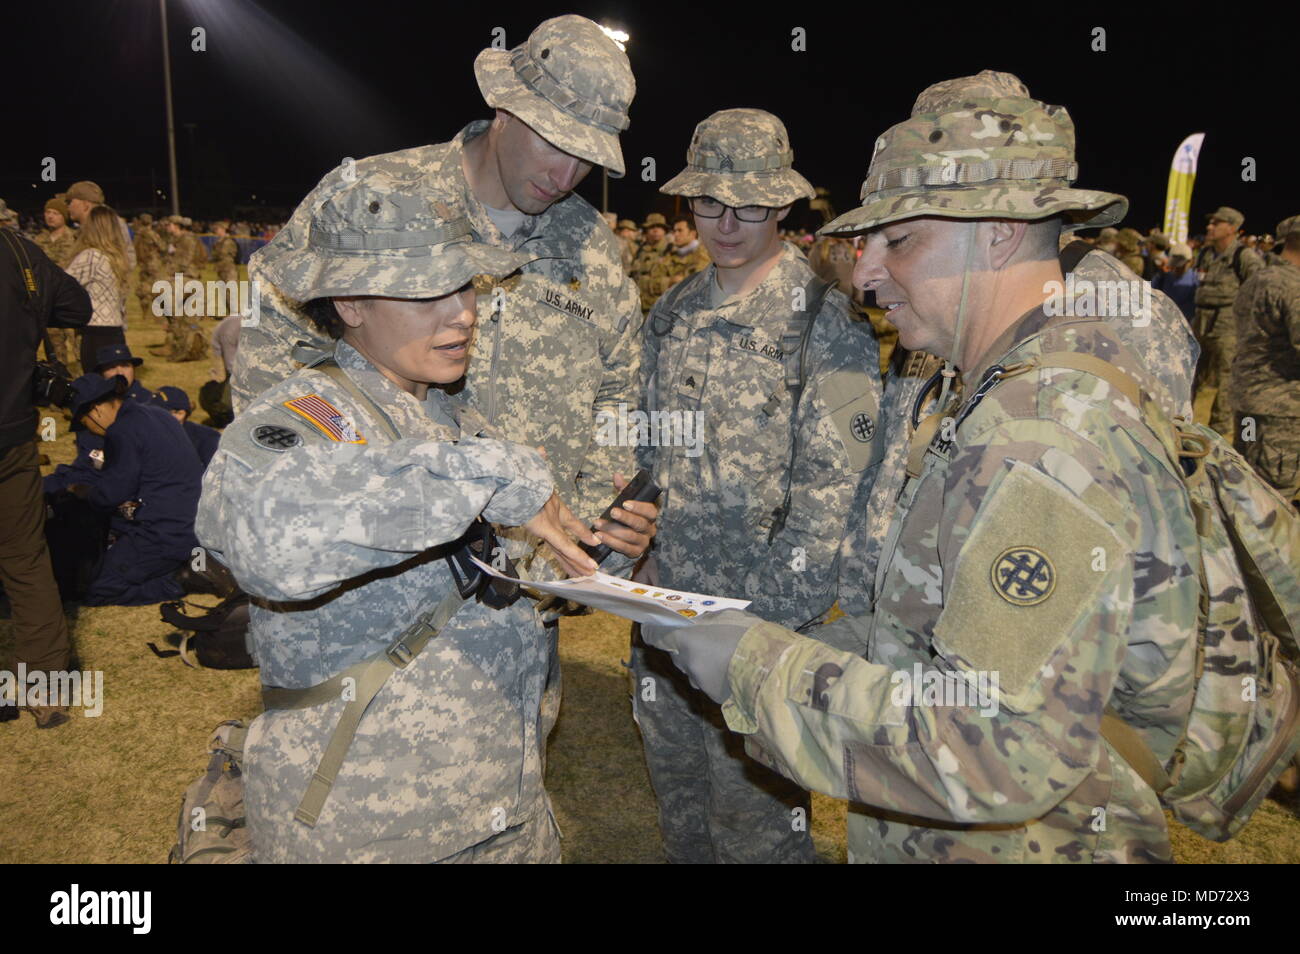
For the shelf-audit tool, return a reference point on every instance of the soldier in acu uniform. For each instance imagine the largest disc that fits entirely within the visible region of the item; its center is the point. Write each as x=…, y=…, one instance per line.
x=782, y=384
x=1222, y=265
x=1266, y=368
x=559, y=342
x=962, y=711
x=338, y=498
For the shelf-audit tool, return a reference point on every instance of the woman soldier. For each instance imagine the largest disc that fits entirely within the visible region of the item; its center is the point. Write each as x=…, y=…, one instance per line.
x=402, y=720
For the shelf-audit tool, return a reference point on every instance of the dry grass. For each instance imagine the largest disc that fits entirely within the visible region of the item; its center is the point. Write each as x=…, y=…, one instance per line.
x=107, y=789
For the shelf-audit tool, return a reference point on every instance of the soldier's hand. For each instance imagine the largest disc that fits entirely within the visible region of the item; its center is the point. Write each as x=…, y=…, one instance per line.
x=703, y=649
x=635, y=528
x=81, y=491
x=556, y=525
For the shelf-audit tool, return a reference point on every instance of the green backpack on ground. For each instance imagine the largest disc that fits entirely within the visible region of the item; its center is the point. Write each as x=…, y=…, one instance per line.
x=211, y=828
x=1242, y=730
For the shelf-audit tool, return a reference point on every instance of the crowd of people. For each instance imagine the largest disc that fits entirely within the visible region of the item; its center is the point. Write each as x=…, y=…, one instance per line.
x=446, y=331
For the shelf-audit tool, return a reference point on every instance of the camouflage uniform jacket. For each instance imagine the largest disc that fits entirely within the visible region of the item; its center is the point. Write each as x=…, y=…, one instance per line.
x=186, y=256
x=339, y=544
x=685, y=265
x=225, y=251
x=1218, y=280
x=1047, y=547
x=650, y=271
x=60, y=250
x=560, y=342
x=1158, y=335
x=1266, y=370
x=724, y=365
x=150, y=249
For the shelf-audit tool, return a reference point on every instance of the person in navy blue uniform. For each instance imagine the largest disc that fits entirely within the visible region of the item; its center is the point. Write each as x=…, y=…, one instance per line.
x=176, y=401
x=114, y=359
x=152, y=478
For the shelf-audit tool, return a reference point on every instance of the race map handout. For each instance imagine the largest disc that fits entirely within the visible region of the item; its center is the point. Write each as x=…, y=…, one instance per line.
x=638, y=602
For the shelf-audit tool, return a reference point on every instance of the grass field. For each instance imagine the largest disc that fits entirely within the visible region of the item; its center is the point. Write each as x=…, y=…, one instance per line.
x=107, y=789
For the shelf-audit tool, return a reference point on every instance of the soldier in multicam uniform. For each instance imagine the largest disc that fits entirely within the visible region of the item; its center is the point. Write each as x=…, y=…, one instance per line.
x=185, y=256
x=627, y=233
x=1266, y=368
x=225, y=252
x=650, y=264
x=560, y=341
x=688, y=254
x=60, y=244
x=1032, y=543
x=1130, y=250
x=1222, y=264
x=720, y=348
x=336, y=499
x=149, y=251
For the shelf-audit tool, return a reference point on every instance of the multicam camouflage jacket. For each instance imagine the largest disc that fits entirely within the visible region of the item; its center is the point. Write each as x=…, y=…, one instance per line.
x=150, y=249
x=1221, y=275
x=1036, y=572
x=339, y=533
x=225, y=252
x=1266, y=368
x=61, y=249
x=683, y=265
x=186, y=256
x=651, y=270
x=717, y=373
x=556, y=343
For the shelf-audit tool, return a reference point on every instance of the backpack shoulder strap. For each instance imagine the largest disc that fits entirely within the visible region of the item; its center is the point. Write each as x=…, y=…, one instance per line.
x=1073, y=254
x=794, y=340
x=331, y=369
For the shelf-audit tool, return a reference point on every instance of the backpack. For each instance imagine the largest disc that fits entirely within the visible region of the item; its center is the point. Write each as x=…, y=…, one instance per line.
x=1241, y=733
x=212, y=828
x=215, y=640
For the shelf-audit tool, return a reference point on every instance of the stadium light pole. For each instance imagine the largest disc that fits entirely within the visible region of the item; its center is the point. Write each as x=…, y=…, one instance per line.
x=171, y=122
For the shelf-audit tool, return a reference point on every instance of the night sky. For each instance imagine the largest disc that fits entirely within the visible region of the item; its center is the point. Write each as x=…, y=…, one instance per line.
x=286, y=89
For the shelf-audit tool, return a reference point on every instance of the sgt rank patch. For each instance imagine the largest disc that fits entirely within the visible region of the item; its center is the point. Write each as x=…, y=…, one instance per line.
x=326, y=418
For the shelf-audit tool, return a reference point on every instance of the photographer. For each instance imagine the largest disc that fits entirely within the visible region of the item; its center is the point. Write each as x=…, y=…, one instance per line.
x=34, y=293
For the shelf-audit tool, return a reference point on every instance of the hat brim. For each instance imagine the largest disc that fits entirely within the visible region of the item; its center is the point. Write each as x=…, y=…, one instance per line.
x=1082, y=208
x=772, y=189
x=429, y=272
x=502, y=89
x=133, y=360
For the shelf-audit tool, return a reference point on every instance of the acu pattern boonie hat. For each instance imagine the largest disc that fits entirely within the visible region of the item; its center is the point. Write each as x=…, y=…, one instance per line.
x=569, y=82
x=741, y=157
x=1288, y=227
x=978, y=147
x=382, y=234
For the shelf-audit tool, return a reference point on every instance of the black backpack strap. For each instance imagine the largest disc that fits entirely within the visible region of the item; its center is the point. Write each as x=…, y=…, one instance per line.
x=1073, y=254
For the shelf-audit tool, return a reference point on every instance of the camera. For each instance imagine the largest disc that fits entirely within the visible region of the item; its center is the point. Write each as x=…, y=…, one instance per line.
x=51, y=385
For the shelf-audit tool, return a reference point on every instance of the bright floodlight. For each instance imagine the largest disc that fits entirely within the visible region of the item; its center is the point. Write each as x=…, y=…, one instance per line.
x=618, y=36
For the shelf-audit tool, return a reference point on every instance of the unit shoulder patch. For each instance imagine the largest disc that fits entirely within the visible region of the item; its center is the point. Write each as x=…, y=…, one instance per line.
x=278, y=439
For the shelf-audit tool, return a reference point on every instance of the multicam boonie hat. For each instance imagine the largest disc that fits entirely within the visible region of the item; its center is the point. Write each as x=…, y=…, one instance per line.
x=626, y=224
x=741, y=157
x=653, y=219
x=381, y=234
x=569, y=82
x=978, y=147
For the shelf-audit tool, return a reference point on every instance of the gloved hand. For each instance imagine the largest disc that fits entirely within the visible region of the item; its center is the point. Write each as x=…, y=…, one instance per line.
x=703, y=649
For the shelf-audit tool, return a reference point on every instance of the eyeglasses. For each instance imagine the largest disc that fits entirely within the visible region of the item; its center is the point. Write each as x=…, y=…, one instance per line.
x=707, y=207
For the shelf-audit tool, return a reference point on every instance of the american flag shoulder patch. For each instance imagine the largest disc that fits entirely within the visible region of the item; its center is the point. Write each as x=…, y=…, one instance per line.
x=328, y=419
